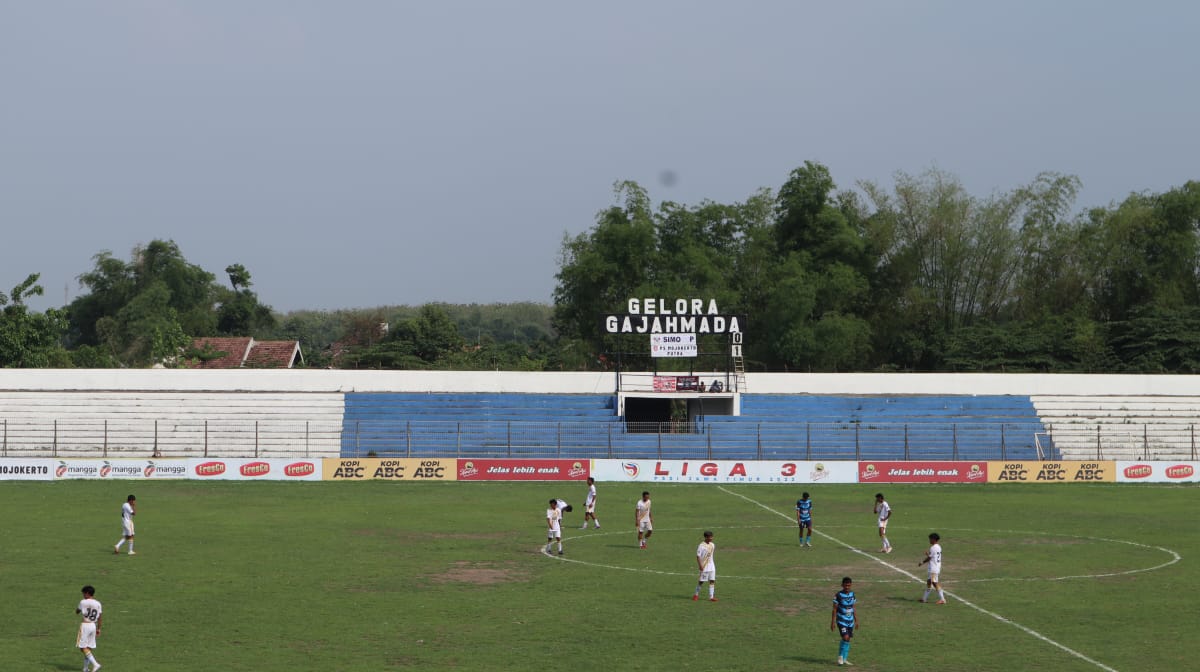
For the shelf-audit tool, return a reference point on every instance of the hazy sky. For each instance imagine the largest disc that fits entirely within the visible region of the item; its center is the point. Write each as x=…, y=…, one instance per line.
x=356, y=154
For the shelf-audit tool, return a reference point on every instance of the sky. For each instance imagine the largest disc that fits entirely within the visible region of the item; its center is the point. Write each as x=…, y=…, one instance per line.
x=369, y=153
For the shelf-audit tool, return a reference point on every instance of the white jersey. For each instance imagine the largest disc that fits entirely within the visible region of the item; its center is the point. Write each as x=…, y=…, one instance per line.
x=591, y=496
x=706, y=552
x=935, y=559
x=554, y=518
x=127, y=519
x=643, y=510
x=90, y=610
x=885, y=510
x=560, y=504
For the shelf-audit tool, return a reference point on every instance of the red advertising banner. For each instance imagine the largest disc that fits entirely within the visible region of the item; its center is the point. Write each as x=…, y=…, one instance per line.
x=523, y=470
x=922, y=472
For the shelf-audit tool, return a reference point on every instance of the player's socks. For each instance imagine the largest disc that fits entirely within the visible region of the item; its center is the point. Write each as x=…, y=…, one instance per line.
x=92, y=659
x=925, y=596
x=712, y=592
x=560, y=548
x=843, y=649
x=120, y=543
x=941, y=595
x=131, y=545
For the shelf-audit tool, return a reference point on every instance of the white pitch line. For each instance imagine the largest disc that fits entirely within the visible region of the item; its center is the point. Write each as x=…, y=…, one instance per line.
x=998, y=617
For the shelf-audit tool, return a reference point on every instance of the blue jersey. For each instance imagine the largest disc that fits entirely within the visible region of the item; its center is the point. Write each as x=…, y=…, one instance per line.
x=804, y=507
x=844, y=602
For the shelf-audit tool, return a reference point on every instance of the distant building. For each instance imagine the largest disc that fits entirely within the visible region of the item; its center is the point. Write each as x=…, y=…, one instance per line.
x=244, y=353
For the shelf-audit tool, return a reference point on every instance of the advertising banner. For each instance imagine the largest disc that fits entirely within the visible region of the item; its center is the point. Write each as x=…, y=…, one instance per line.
x=523, y=470
x=389, y=469
x=134, y=469
x=918, y=471
x=1158, y=472
x=664, y=383
x=251, y=469
x=724, y=471
x=1100, y=471
x=26, y=469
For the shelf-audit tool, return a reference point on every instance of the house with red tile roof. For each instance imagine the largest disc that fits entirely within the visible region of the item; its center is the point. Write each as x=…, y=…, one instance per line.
x=243, y=352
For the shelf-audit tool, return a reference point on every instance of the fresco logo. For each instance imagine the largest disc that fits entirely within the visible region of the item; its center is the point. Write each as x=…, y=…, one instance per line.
x=976, y=473
x=819, y=472
x=105, y=470
x=1138, y=471
x=576, y=470
x=1180, y=471
x=631, y=469
x=869, y=472
x=468, y=470
x=255, y=469
x=299, y=469
x=210, y=469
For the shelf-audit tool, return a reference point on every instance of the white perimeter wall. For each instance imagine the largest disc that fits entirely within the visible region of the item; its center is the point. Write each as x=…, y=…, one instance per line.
x=303, y=380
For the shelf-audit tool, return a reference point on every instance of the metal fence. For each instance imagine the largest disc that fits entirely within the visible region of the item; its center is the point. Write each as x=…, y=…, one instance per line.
x=727, y=439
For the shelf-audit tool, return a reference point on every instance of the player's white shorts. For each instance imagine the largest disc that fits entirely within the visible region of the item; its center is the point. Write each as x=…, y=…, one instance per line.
x=590, y=508
x=933, y=576
x=708, y=575
x=553, y=532
x=87, y=635
x=883, y=525
x=127, y=528
x=646, y=525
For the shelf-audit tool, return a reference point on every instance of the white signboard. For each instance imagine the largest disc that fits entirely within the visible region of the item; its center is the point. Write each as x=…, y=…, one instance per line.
x=1158, y=472
x=673, y=345
x=26, y=469
x=725, y=471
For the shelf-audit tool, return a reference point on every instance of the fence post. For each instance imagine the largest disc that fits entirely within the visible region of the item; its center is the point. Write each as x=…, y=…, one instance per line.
x=610, y=441
x=155, y=452
x=458, y=441
x=857, y=443
x=54, y=448
x=808, y=441
x=6, y=437
x=954, y=438
x=558, y=439
x=708, y=439
x=105, y=442
x=508, y=436
x=906, y=441
x=1145, y=442
x=1098, y=458
x=1003, y=443
x=255, y=436
x=206, y=438
x=1192, y=426
x=357, y=437
x=306, y=448
x=758, y=438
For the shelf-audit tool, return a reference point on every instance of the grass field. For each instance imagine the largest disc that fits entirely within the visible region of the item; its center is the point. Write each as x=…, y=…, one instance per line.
x=445, y=576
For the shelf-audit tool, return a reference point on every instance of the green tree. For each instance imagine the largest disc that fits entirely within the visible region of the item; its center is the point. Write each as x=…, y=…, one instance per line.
x=30, y=340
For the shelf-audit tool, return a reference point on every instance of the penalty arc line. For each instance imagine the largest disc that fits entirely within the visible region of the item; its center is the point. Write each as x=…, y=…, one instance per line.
x=998, y=617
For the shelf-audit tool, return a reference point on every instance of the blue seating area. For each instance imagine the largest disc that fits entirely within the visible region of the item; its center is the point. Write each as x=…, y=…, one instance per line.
x=958, y=427
x=771, y=427
x=478, y=424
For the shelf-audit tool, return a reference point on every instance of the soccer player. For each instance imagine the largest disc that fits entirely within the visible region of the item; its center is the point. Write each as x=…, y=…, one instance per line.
x=844, y=619
x=708, y=567
x=589, y=507
x=804, y=519
x=128, y=511
x=643, y=520
x=885, y=512
x=554, y=527
x=934, y=557
x=89, y=629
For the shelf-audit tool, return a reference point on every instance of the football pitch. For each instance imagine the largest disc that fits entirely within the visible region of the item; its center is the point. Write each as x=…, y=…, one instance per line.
x=451, y=576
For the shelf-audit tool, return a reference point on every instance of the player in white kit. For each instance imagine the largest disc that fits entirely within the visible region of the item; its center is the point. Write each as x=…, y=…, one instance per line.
x=89, y=629
x=128, y=511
